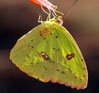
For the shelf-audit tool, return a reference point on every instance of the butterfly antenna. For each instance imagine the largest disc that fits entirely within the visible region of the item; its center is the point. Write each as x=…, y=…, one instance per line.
x=69, y=11
x=56, y=11
x=49, y=14
x=54, y=14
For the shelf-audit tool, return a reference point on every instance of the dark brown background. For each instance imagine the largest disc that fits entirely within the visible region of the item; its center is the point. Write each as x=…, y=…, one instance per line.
x=19, y=16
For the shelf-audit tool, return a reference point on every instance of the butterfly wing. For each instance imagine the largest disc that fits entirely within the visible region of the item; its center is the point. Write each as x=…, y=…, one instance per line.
x=49, y=53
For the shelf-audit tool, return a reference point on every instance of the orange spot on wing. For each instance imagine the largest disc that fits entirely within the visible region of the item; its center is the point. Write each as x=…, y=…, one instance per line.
x=44, y=32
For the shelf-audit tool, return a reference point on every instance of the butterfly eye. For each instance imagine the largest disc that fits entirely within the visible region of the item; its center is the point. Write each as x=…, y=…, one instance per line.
x=60, y=21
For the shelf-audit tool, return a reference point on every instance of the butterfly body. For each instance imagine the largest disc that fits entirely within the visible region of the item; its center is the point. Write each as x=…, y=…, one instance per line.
x=49, y=53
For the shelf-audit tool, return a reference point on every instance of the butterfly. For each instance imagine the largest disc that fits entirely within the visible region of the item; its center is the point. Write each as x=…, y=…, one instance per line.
x=49, y=53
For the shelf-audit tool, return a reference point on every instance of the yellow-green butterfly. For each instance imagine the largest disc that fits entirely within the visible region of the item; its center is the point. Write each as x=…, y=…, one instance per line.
x=49, y=53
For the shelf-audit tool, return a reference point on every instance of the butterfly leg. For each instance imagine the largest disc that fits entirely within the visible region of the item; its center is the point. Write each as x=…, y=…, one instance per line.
x=40, y=19
x=54, y=14
x=48, y=13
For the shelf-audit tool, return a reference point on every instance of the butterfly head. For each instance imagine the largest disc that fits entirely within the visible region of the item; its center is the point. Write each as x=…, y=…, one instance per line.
x=58, y=20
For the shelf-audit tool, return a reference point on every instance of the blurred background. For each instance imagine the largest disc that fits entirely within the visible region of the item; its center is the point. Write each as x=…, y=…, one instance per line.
x=17, y=17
